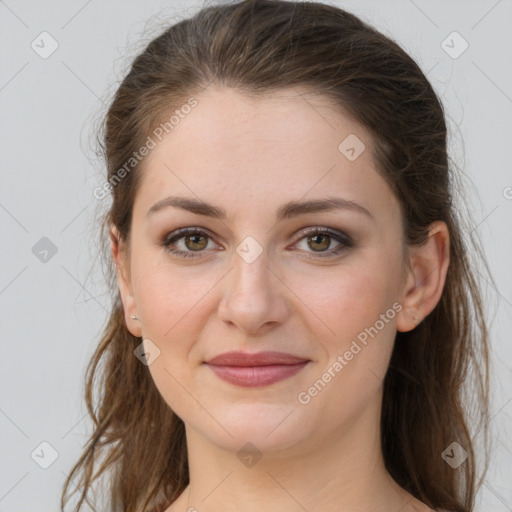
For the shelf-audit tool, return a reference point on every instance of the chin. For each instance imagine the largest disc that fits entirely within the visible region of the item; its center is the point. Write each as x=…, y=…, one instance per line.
x=270, y=428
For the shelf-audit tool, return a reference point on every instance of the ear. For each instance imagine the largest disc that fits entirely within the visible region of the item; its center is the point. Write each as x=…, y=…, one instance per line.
x=426, y=276
x=121, y=260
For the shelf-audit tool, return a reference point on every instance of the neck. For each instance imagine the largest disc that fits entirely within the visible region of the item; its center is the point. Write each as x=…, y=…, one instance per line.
x=335, y=473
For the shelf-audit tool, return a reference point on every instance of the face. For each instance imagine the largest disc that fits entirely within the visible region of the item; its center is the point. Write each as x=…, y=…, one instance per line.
x=256, y=280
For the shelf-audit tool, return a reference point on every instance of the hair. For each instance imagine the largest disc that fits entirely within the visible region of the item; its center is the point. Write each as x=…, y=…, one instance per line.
x=436, y=386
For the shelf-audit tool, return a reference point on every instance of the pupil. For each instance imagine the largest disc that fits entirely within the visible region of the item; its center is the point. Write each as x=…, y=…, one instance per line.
x=325, y=237
x=194, y=241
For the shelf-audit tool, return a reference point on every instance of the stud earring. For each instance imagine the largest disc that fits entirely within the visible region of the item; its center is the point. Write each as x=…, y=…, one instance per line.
x=133, y=317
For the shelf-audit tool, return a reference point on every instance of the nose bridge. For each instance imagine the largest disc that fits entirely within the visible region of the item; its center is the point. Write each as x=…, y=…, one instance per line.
x=249, y=280
x=252, y=295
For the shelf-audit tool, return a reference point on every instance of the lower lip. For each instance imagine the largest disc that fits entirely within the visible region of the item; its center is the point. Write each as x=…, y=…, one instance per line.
x=255, y=376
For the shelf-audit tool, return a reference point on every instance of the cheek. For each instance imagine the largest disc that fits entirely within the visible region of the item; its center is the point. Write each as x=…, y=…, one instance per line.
x=173, y=305
x=357, y=308
x=349, y=298
x=176, y=305
x=161, y=298
x=171, y=301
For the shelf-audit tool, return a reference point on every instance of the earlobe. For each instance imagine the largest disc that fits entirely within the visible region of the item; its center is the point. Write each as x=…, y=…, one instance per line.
x=124, y=283
x=428, y=267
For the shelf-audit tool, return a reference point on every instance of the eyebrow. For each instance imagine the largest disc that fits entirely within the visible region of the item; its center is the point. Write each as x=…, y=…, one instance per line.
x=286, y=211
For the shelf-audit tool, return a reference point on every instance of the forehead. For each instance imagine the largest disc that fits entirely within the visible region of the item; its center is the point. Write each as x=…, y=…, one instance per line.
x=250, y=151
x=274, y=119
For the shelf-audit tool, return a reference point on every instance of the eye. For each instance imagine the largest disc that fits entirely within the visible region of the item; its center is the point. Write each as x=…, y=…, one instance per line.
x=319, y=239
x=195, y=240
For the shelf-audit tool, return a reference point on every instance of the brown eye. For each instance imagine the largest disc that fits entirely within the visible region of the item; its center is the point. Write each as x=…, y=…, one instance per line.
x=187, y=242
x=319, y=242
x=197, y=242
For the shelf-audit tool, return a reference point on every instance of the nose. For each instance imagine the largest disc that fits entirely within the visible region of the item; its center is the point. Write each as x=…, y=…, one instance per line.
x=254, y=297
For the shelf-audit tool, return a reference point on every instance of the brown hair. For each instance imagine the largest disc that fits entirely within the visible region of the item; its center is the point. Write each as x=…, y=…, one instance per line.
x=258, y=46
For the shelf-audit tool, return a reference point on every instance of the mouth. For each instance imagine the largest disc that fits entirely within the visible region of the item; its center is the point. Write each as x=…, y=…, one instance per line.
x=256, y=370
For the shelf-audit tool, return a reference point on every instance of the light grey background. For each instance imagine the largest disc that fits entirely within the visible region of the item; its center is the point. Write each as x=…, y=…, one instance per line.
x=52, y=312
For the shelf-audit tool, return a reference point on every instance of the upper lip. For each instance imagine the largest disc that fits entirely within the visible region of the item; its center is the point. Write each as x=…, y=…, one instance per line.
x=258, y=359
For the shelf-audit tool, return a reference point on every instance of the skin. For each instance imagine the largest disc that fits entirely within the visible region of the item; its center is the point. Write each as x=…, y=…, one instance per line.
x=250, y=156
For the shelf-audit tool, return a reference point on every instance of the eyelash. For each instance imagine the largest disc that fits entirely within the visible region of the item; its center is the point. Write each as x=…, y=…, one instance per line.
x=345, y=241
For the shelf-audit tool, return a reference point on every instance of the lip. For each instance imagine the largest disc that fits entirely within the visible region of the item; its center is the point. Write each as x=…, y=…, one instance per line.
x=257, y=359
x=254, y=370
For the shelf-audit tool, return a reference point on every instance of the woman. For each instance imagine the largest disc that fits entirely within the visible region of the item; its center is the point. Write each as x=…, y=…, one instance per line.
x=295, y=314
